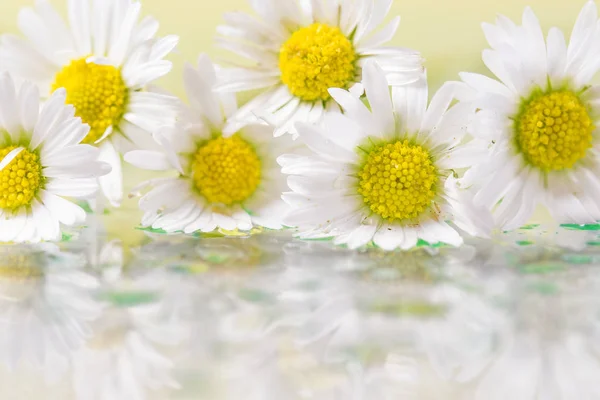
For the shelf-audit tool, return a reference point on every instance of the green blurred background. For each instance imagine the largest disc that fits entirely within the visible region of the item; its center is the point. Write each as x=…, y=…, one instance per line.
x=447, y=32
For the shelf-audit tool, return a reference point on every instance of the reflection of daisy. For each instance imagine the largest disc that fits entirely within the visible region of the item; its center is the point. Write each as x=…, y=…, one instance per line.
x=384, y=176
x=530, y=369
x=299, y=52
x=224, y=182
x=45, y=308
x=399, y=377
x=127, y=355
x=122, y=359
x=549, y=350
x=540, y=119
x=104, y=51
x=460, y=342
x=41, y=160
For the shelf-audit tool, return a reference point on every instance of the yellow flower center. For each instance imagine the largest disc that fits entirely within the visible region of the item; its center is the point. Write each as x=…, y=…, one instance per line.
x=554, y=130
x=97, y=92
x=316, y=58
x=20, y=180
x=226, y=170
x=398, y=181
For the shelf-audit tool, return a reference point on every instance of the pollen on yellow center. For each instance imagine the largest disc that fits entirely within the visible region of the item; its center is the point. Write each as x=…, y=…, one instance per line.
x=20, y=180
x=316, y=58
x=398, y=181
x=97, y=92
x=226, y=170
x=554, y=130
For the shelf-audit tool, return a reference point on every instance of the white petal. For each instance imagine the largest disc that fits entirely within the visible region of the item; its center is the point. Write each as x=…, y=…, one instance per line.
x=200, y=94
x=51, y=114
x=9, y=114
x=47, y=225
x=536, y=51
x=343, y=131
x=164, y=46
x=162, y=137
x=150, y=160
x=224, y=221
x=79, y=18
x=29, y=106
x=355, y=109
x=436, y=232
x=146, y=73
x=316, y=141
x=496, y=64
x=378, y=94
x=63, y=210
x=83, y=171
x=485, y=84
x=361, y=236
x=581, y=30
x=10, y=157
x=69, y=133
x=389, y=237
x=111, y=183
x=80, y=188
x=410, y=238
x=118, y=49
x=385, y=35
x=271, y=215
x=72, y=155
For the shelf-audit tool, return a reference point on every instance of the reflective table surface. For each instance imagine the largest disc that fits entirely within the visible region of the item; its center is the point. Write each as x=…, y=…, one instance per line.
x=269, y=317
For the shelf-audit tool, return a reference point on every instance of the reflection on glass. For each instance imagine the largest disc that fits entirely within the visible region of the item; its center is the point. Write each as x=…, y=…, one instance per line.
x=266, y=317
x=46, y=307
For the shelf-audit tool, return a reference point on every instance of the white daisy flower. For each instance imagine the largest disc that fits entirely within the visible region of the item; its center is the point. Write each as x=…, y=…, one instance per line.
x=104, y=60
x=298, y=50
x=227, y=182
x=540, y=120
x=42, y=161
x=384, y=175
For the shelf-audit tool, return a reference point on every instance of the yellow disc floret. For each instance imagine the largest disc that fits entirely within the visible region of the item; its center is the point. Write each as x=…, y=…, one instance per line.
x=97, y=92
x=20, y=180
x=226, y=170
x=398, y=181
x=316, y=58
x=554, y=130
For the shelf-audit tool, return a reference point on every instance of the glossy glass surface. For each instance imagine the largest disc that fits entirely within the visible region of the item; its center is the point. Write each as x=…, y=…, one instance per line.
x=269, y=317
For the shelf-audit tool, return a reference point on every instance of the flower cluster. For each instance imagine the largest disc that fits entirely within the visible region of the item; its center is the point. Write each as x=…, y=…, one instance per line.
x=338, y=142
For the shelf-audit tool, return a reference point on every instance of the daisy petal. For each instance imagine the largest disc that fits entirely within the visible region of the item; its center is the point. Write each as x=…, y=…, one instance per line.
x=111, y=183
x=150, y=160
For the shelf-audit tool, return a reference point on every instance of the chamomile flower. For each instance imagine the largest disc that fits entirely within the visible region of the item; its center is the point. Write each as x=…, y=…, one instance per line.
x=105, y=60
x=540, y=121
x=223, y=182
x=42, y=161
x=298, y=50
x=385, y=175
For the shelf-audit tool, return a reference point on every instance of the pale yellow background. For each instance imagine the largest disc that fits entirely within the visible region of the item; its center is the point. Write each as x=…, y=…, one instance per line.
x=447, y=32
